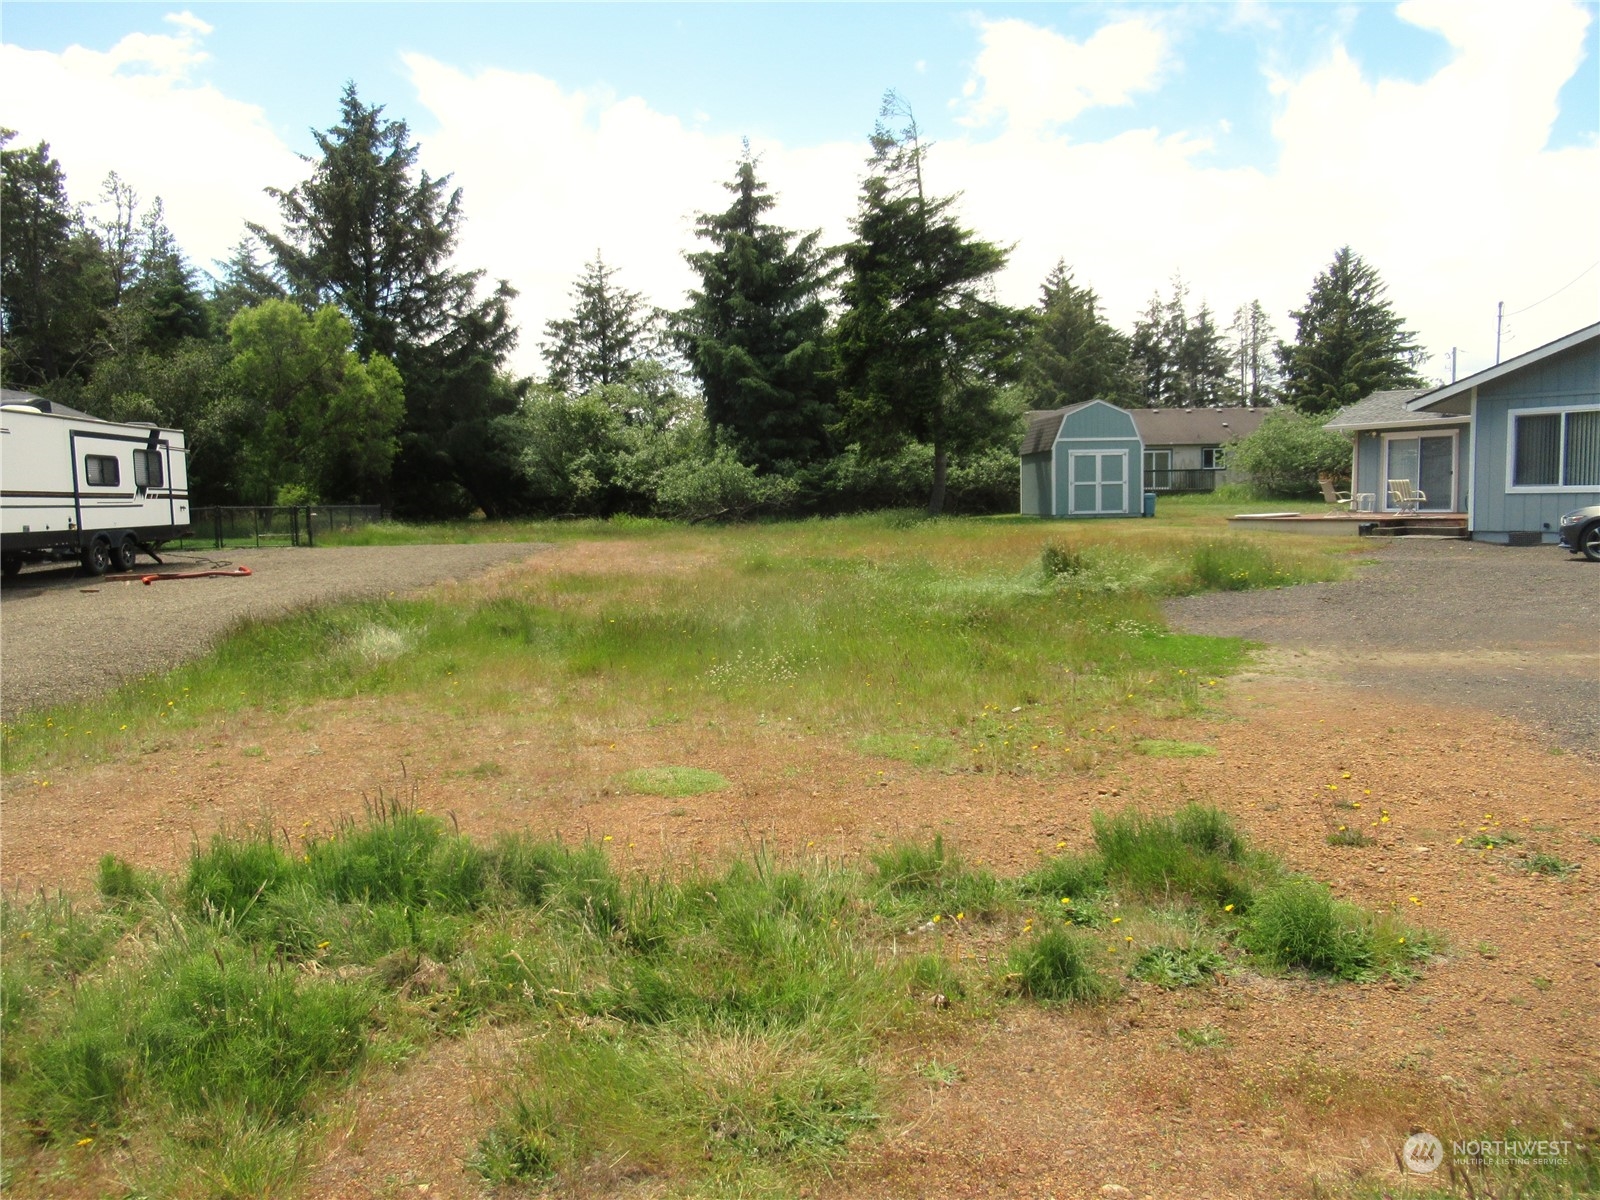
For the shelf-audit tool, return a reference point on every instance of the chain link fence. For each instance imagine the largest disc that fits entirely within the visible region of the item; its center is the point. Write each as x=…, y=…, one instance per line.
x=278, y=525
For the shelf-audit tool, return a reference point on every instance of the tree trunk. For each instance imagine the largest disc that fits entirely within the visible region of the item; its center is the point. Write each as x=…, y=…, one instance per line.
x=940, y=464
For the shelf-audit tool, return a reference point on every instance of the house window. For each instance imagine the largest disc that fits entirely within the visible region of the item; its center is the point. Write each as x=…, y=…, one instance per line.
x=100, y=470
x=1213, y=458
x=1556, y=449
x=147, y=469
x=1158, y=470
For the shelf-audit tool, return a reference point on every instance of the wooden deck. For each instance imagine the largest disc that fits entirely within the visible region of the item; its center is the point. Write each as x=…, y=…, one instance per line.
x=1343, y=524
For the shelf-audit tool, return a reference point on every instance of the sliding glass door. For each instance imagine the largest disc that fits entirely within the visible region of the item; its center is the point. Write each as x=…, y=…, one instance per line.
x=1427, y=462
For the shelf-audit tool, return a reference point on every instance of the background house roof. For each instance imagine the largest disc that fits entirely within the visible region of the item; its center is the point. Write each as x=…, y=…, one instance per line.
x=1196, y=426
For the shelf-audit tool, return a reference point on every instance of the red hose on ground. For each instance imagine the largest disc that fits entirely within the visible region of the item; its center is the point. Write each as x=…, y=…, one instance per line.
x=147, y=580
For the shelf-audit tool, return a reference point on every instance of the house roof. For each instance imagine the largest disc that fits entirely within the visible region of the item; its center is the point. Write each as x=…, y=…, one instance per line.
x=1196, y=426
x=1428, y=399
x=1044, y=425
x=1385, y=408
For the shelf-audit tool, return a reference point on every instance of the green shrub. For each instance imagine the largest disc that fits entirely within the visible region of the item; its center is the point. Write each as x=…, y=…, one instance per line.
x=1057, y=560
x=1059, y=966
x=1288, y=451
x=1298, y=923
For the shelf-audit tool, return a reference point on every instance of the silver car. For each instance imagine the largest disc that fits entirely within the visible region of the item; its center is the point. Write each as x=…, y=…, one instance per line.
x=1580, y=532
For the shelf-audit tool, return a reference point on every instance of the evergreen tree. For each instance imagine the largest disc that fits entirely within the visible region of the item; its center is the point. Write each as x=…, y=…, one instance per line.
x=1257, y=368
x=53, y=279
x=610, y=332
x=1205, y=367
x=245, y=282
x=1074, y=354
x=372, y=234
x=165, y=290
x=923, y=345
x=1349, y=342
x=755, y=332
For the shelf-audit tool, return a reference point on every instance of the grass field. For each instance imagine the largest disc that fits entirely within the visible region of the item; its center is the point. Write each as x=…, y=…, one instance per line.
x=895, y=627
x=725, y=1028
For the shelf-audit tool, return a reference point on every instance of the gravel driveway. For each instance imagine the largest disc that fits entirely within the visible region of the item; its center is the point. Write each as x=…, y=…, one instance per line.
x=1514, y=630
x=64, y=636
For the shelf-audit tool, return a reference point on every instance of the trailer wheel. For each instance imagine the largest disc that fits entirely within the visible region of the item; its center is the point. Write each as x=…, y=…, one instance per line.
x=97, y=557
x=126, y=554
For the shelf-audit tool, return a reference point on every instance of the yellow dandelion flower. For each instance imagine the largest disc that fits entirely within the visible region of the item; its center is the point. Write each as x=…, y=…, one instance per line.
x=88, y=1141
x=1227, y=908
x=1413, y=900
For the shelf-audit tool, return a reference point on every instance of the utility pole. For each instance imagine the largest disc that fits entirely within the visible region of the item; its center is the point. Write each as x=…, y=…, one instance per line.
x=1499, y=320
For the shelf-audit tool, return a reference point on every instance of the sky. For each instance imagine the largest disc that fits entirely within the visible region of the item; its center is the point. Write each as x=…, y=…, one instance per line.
x=1455, y=146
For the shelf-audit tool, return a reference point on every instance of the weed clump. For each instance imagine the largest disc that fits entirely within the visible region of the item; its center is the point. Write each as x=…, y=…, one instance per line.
x=1059, y=966
x=1194, y=853
x=1178, y=966
x=1298, y=923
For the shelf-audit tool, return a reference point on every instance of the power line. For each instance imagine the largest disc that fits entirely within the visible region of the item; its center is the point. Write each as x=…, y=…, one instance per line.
x=1560, y=289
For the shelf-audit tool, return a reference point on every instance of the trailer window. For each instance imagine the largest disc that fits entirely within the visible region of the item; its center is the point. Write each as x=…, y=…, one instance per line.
x=100, y=470
x=147, y=469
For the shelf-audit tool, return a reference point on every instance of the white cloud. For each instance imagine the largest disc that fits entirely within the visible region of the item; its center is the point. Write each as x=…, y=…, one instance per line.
x=1032, y=77
x=1444, y=185
x=566, y=173
x=133, y=109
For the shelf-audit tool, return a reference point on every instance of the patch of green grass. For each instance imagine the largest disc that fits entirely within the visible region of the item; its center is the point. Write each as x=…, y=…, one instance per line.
x=1193, y=853
x=671, y=781
x=1161, y=748
x=1059, y=966
x=719, y=1027
x=1345, y=835
x=1540, y=863
x=926, y=879
x=1201, y=1037
x=1178, y=966
x=916, y=749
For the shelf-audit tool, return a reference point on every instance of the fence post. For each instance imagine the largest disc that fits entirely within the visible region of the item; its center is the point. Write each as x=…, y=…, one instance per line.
x=216, y=517
x=311, y=536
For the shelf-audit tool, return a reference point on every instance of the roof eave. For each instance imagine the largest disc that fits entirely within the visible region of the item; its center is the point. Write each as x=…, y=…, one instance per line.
x=1447, y=391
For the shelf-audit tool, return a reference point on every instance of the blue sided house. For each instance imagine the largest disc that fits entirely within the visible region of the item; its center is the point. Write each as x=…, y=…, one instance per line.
x=1085, y=460
x=1512, y=447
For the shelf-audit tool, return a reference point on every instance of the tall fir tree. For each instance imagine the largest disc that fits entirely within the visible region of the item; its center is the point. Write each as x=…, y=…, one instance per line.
x=1349, y=341
x=373, y=234
x=1073, y=353
x=611, y=330
x=53, y=277
x=755, y=331
x=1254, y=362
x=923, y=345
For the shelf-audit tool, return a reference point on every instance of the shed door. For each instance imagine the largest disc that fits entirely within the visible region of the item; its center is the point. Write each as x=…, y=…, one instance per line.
x=1099, y=481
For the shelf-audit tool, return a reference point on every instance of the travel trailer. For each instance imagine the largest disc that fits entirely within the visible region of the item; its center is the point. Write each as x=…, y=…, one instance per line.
x=75, y=487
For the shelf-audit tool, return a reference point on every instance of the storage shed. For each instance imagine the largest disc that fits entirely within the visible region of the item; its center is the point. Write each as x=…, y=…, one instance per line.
x=1082, y=461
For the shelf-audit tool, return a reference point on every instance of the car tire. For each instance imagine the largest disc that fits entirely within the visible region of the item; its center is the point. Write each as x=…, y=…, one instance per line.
x=1589, y=541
